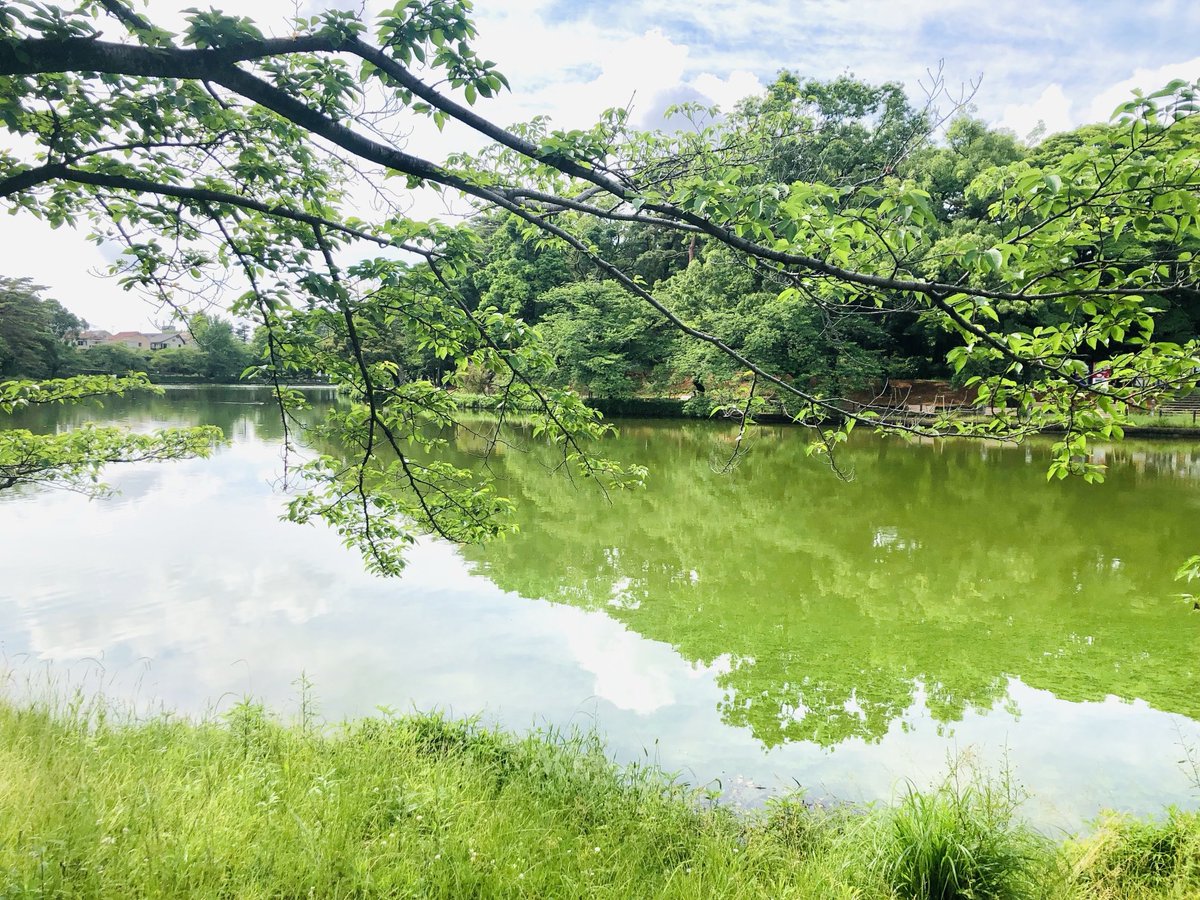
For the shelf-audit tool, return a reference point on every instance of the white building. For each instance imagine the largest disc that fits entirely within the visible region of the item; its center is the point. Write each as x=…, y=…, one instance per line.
x=165, y=340
x=91, y=338
x=132, y=339
x=137, y=340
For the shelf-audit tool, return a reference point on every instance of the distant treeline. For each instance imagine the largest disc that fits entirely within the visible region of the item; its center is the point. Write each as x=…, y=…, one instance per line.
x=838, y=139
x=36, y=341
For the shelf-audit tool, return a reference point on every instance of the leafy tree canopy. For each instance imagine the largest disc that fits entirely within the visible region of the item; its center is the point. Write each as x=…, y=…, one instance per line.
x=32, y=330
x=74, y=458
x=220, y=156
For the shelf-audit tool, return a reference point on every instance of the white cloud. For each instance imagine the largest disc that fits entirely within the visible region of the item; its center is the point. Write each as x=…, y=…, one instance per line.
x=630, y=672
x=1058, y=112
x=1147, y=80
x=1052, y=110
x=725, y=92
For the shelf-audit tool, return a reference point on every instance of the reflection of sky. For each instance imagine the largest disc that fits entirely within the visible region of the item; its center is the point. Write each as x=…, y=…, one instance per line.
x=187, y=590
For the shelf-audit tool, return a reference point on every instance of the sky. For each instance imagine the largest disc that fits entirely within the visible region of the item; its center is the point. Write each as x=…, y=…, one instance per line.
x=1057, y=64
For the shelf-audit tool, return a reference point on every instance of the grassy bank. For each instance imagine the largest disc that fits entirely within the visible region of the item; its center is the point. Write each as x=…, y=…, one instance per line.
x=422, y=807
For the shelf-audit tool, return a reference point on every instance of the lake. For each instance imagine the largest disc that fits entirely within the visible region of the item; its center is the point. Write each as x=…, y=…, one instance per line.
x=757, y=631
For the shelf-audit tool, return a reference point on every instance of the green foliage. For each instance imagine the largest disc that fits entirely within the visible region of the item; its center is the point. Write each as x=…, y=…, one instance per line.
x=221, y=157
x=394, y=425
x=221, y=354
x=518, y=273
x=1189, y=572
x=962, y=842
x=74, y=458
x=842, y=131
x=605, y=342
x=948, y=173
x=99, y=804
x=32, y=331
x=1134, y=859
x=116, y=359
x=16, y=395
x=192, y=361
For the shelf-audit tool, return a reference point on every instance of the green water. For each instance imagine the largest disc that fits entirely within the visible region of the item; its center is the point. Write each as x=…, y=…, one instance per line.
x=770, y=627
x=952, y=565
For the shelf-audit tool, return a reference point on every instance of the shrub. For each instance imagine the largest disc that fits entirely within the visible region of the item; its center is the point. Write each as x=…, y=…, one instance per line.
x=1127, y=857
x=961, y=843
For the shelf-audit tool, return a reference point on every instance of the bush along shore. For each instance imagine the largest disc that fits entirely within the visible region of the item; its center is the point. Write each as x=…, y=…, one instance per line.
x=1143, y=424
x=93, y=804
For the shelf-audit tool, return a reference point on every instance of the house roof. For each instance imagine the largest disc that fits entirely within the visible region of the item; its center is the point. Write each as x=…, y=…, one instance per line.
x=157, y=337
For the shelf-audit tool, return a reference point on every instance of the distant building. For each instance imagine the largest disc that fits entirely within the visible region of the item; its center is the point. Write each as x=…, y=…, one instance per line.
x=165, y=340
x=138, y=340
x=89, y=338
x=134, y=339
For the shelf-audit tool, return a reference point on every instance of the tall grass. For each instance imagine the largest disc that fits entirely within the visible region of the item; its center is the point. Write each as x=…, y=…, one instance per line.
x=1131, y=858
x=95, y=804
x=962, y=840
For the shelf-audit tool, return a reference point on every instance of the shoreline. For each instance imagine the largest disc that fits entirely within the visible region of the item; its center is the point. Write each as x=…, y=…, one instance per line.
x=100, y=803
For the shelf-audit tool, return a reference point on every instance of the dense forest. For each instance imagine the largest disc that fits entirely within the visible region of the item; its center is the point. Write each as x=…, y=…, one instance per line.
x=844, y=137
x=845, y=134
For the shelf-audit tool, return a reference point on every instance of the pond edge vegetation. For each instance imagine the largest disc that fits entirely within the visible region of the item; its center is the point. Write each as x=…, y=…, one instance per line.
x=98, y=802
